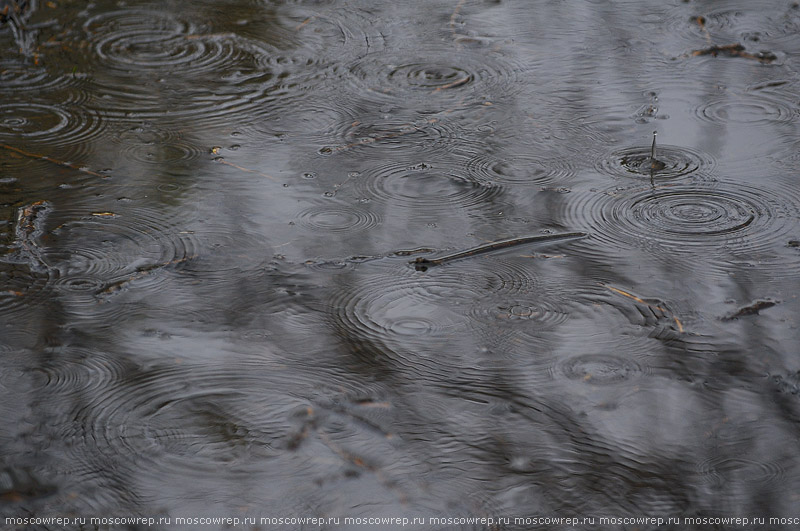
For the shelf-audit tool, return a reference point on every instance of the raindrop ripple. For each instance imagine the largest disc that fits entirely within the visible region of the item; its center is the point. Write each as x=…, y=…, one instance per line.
x=731, y=222
x=425, y=187
x=635, y=162
x=338, y=218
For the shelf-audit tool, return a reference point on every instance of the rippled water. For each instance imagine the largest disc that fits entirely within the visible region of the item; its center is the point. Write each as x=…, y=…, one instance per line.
x=209, y=210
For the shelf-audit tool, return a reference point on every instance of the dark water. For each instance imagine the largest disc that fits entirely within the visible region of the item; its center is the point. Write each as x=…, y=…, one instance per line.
x=208, y=214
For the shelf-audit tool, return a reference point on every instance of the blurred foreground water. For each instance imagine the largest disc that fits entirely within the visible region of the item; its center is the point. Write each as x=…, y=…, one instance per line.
x=209, y=210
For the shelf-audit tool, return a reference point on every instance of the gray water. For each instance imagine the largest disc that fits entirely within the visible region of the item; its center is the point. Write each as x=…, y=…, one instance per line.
x=209, y=210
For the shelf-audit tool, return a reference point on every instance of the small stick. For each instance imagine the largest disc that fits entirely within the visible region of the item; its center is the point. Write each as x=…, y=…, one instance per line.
x=734, y=50
x=751, y=309
x=427, y=262
x=36, y=156
x=653, y=149
x=140, y=272
x=456, y=83
x=653, y=161
x=306, y=21
x=642, y=301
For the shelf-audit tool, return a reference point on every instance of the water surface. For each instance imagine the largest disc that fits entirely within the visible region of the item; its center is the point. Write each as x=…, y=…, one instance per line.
x=209, y=210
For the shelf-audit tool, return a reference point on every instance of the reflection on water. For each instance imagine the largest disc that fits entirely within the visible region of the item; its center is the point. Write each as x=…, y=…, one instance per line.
x=208, y=212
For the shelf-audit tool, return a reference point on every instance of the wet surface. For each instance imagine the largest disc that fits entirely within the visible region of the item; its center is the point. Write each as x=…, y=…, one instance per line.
x=208, y=214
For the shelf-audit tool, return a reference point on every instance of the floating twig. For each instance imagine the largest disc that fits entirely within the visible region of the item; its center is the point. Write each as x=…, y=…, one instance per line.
x=30, y=220
x=751, y=309
x=653, y=160
x=140, y=272
x=458, y=82
x=306, y=21
x=350, y=175
x=655, y=164
x=421, y=264
x=653, y=150
x=729, y=50
x=30, y=227
x=409, y=252
x=735, y=50
x=36, y=156
x=651, y=306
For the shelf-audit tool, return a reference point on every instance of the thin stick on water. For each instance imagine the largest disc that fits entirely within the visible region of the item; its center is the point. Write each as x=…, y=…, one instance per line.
x=36, y=156
x=662, y=310
x=653, y=159
x=653, y=147
x=423, y=263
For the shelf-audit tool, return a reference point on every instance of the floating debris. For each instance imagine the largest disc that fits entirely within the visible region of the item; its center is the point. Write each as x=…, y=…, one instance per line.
x=28, y=230
x=422, y=264
x=701, y=22
x=751, y=309
x=735, y=50
x=655, y=164
x=140, y=272
x=657, y=308
x=36, y=156
x=409, y=252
